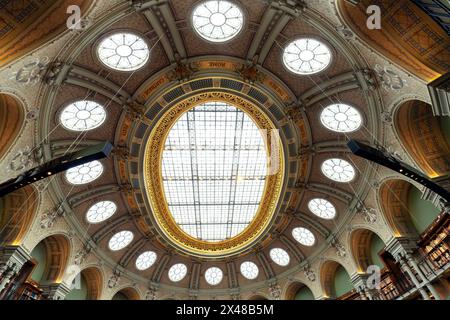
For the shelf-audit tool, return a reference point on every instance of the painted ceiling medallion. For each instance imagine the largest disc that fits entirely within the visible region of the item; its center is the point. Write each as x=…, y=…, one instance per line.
x=214, y=195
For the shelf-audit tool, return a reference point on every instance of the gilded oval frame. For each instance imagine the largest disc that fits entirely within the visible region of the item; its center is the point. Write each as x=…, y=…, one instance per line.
x=155, y=189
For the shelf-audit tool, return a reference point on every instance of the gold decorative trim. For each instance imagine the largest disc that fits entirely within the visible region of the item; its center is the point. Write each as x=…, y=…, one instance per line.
x=155, y=189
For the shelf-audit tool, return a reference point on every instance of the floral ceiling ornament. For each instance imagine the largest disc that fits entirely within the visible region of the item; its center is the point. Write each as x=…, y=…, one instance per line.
x=369, y=214
x=183, y=71
x=309, y=273
x=340, y=249
x=49, y=217
x=114, y=279
x=389, y=79
x=250, y=72
x=134, y=110
x=275, y=291
x=23, y=159
x=151, y=294
x=32, y=72
x=346, y=33
x=52, y=73
x=82, y=254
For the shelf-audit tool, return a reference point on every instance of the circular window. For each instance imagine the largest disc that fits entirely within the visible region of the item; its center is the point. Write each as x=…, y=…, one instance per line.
x=101, y=211
x=338, y=170
x=214, y=170
x=120, y=240
x=213, y=276
x=341, y=118
x=279, y=256
x=306, y=56
x=217, y=21
x=84, y=173
x=123, y=51
x=82, y=115
x=322, y=208
x=249, y=270
x=145, y=260
x=304, y=236
x=177, y=272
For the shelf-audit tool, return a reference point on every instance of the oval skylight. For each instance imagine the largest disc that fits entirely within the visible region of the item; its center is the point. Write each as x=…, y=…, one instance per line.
x=101, y=211
x=217, y=21
x=338, y=170
x=83, y=115
x=279, y=256
x=304, y=236
x=214, y=170
x=145, y=260
x=213, y=276
x=84, y=173
x=123, y=51
x=177, y=272
x=249, y=270
x=341, y=118
x=120, y=240
x=306, y=56
x=322, y=208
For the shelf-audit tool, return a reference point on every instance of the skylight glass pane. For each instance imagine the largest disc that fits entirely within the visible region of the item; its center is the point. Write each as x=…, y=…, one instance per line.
x=214, y=171
x=217, y=20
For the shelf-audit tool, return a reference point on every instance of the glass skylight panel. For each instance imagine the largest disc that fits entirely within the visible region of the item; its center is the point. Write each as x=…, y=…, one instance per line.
x=83, y=115
x=213, y=276
x=214, y=170
x=322, y=208
x=304, y=236
x=249, y=270
x=101, y=211
x=177, y=272
x=338, y=170
x=217, y=21
x=84, y=173
x=279, y=256
x=123, y=51
x=145, y=260
x=306, y=56
x=120, y=240
x=341, y=118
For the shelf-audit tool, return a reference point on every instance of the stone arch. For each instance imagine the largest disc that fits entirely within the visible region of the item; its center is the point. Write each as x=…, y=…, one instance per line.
x=17, y=212
x=393, y=196
x=127, y=293
x=294, y=288
x=408, y=37
x=328, y=272
x=12, y=119
x=91, y=281
x=423, y=137
x=56, y=252
x=406, y=213
x=361, y=244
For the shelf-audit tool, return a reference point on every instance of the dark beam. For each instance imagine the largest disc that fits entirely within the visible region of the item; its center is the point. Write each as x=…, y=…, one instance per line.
x=386, y=160
x=57, y=165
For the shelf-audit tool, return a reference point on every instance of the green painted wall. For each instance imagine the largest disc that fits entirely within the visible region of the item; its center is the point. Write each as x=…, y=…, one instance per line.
x=445, y=125
x=422, y=212
x=119, y=296
x=376, y=245
x=78, y=294
x=304, y=294
x=39, y=255
x=342, y=283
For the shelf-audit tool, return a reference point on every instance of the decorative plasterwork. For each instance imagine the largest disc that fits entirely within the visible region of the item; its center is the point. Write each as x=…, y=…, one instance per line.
x=155, y=191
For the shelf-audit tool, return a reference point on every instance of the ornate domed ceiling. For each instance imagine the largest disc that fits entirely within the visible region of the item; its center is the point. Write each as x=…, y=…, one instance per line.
x=137, y=79
x=229, y=121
